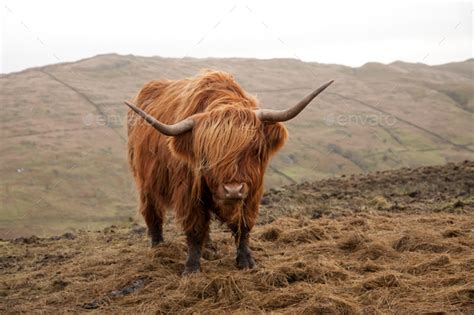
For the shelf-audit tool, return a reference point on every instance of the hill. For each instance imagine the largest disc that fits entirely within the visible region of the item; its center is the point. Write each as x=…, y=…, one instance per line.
x=392, y=242
x=63, y=156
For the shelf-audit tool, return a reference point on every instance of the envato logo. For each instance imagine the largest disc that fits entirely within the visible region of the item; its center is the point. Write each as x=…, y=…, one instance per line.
x=360, y=119
x=91, y=120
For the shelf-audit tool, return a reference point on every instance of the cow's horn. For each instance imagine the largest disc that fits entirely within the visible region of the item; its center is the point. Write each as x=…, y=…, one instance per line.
x=169, y=130
x=290, y=113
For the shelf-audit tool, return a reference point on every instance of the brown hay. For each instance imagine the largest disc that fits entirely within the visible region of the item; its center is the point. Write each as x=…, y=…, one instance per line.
x=273, y=278
x=419, y=243
x=374, y=251
x=359, y=222
x=315, y=272
x=283, y=299
x=323, y=304
x=462, y=297
x=271, y=234
x=380, y=202
x=452, y=233
x=303, y=235
x=431, y=265
x=218, y=288
x=371, y=310
x=468, y=264
x=327, y=268
x=294, y=273
x=370, y=266
x=382, y=280
x=452, y=281
x=353, y=242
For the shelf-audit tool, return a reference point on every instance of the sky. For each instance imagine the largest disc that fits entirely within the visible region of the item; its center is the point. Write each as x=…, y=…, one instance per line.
x=352, y=33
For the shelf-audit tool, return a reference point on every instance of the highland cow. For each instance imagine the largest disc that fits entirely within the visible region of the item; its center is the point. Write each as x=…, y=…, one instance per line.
x=203, y=152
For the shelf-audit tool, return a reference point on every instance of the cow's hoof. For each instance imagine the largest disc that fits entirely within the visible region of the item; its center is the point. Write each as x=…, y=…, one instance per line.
x=245, y=262
x=156, y=238
x=190, y=270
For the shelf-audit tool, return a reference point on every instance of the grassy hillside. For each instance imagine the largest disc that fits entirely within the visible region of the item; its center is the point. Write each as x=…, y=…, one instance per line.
x=62, y=150
x=393, y=242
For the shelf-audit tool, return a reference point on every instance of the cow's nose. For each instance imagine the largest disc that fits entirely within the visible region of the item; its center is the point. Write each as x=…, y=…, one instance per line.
x=234, y=191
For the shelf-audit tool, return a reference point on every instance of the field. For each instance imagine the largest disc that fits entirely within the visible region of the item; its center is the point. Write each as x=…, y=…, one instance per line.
x=62, y=137
x=391, y=242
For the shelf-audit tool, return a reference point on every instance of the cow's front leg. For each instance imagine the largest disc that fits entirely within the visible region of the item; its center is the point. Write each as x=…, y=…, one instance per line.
x=244, y=257
x=196, y=238
x=153, y=216
x=193, y=262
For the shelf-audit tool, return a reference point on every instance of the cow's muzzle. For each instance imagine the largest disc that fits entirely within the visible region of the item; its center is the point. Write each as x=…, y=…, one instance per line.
x=230, y=192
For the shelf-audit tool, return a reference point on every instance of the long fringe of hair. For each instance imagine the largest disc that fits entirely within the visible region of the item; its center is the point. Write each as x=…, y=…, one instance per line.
x=229, y=141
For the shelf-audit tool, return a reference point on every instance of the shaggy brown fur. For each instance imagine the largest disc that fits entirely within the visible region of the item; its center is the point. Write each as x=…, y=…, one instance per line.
x=228, y=144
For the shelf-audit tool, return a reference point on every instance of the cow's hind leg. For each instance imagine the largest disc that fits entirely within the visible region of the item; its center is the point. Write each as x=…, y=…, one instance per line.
x=197, y=231
x=153, y=216
x=244, y=257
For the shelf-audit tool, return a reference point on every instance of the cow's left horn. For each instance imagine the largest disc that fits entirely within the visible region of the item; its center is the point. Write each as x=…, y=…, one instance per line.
x=290, y=113
x=169, y=130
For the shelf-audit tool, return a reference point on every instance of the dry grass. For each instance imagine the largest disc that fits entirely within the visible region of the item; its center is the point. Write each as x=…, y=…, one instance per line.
x=406, y=267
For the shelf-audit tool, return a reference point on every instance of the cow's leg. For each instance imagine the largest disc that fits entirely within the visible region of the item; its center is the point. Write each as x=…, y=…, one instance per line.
x=244, y=257
x=153, y=218
x=197, y=232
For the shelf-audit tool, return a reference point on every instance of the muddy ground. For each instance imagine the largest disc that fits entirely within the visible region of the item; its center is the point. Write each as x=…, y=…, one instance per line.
x=398, y=242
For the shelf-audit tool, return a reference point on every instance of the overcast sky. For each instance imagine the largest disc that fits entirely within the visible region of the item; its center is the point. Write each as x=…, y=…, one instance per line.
x=36, y=33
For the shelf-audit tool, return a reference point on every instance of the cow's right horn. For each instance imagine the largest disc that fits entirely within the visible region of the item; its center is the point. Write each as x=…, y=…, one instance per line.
x=290, y=113
x=168, y=130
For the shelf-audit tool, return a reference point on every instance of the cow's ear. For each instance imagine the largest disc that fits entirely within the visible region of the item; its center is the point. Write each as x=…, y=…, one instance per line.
x=182, y=146
x=275, y=135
